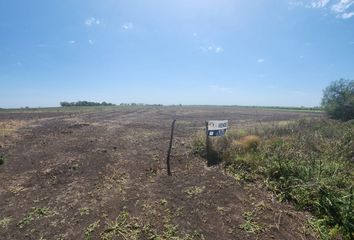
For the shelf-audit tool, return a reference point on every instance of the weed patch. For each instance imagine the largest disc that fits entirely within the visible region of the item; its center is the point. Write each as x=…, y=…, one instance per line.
x=250, y=225
x=309, y=163
x=35, y=213
x=192, y=191
x=90, y=229
x=127, y=227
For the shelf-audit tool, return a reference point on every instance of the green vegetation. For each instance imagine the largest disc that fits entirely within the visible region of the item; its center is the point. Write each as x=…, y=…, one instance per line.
x=309, y=163
x=338, y=99
x=195, y=190
x=35, y=213
x=5, y=222
x=127, y=227
x=90, y=229
x=84, y=211
x=249, y=224
x=84, y=104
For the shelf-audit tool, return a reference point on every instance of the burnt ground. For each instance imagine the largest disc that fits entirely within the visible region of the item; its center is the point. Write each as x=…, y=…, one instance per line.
x=70, y=175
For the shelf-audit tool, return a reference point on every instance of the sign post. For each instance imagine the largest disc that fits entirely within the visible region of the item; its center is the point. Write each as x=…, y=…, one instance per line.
x=207, y=141
x=214, y=128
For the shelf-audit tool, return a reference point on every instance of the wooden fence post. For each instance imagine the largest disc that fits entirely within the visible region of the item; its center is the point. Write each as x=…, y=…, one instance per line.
x=169, y=149
x=207, y=142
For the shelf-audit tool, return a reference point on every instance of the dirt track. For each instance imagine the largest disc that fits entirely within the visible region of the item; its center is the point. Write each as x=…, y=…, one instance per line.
x=73, y=170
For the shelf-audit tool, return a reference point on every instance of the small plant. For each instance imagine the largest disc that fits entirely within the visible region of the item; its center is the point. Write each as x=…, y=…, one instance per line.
x=195, y=190
x=91, y=228
x=198, y=145
x=250, y=225
x=5, y=222
x=163, y=202
x=84, y=211
x=119, y=227
x=35, y=213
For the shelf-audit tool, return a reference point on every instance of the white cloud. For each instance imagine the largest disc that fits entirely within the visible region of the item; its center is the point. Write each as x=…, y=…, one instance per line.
x=89, y=22
x=71, y=42
x=90, y=42
x=128, y=26
x=195, y=34
x=260, y=60
x=319, y=3
x=347, y=15
x=342, y=6
x=212, y=48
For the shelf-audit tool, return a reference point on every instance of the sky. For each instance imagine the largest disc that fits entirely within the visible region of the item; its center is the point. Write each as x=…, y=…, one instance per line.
x=219, y=52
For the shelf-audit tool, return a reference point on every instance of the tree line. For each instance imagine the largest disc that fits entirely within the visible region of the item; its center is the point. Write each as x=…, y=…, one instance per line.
x=84, y=104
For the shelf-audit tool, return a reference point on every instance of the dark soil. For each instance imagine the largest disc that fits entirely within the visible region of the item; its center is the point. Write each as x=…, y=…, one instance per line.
x=82, y=168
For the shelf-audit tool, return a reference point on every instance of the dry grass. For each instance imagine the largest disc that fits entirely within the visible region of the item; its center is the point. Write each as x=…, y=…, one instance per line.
x=10, y=126
x=250, y=142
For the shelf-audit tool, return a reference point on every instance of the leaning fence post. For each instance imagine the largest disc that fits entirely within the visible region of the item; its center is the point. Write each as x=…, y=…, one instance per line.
x=169, y=149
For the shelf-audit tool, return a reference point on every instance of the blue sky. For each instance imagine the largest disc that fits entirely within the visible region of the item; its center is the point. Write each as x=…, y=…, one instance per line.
x=260, y=52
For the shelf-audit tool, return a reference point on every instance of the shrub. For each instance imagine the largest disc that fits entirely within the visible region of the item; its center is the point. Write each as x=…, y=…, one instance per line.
x=2, y=159
x=198, y=145
x=249, y=142
x=338, y=99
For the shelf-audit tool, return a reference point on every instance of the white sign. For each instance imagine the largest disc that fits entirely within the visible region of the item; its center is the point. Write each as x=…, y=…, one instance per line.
x=218, y=124
x=217, y=128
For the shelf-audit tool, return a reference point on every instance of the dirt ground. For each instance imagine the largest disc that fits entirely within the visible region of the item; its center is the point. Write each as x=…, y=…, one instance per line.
x=102, y=175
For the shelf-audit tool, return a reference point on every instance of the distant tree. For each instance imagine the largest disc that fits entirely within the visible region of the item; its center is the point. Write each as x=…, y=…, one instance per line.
x=338, y=99
x=84, y=104
x=64, y=104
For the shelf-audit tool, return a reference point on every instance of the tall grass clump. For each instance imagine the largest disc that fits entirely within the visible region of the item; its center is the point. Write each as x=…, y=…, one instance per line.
x=309, y=163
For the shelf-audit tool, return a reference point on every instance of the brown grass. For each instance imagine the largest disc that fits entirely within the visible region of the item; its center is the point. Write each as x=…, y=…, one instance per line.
x=250, y=142
x=7, y=127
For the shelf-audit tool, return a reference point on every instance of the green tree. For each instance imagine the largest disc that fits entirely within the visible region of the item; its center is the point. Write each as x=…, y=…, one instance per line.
x=338, y=99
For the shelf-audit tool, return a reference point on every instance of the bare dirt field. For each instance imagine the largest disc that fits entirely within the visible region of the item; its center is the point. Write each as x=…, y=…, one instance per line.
x=102, y=175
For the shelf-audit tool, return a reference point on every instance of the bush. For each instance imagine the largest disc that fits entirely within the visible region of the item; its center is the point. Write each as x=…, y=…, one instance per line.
x=2, y=159
x=338, y=99
x=249, y=142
